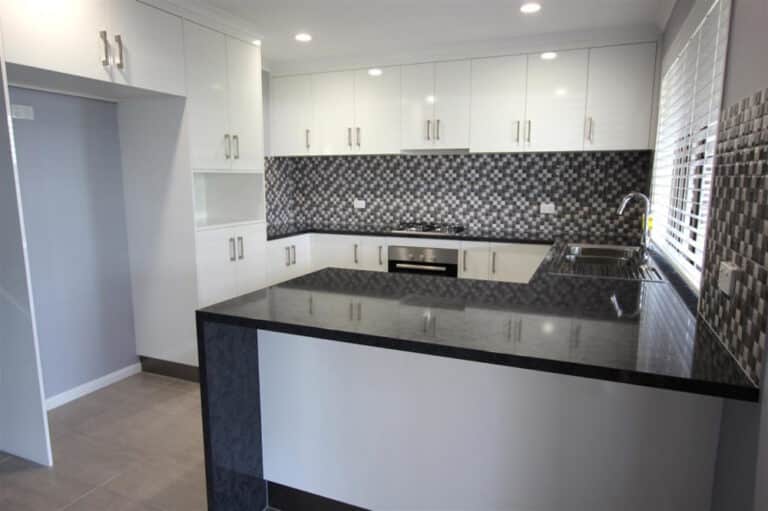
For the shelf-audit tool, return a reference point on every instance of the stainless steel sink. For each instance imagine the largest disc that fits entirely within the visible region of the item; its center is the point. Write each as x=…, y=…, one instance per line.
x=605, y=261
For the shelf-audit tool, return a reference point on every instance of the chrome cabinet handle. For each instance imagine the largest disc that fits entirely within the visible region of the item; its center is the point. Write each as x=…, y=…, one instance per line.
x=120, y=61
x=293, y=254
x=590, y=129
x=311, y=305
x=407, y=266
x=493, y=262
x=232, y=255
x=528, y=134
x=358, y=136
x=381, y=259
x=104, y=48
x=519, y=336
x=437, y=129
x=236, y=140
x=355, y=253
x=434, y=325
x=240, y=248
x=359, y=311
x=464, y=261
x=517, y=132
x=227, y=146
x=349, y=137
x=426, y=323
x=429, y=130
x=509, y=331
x=351, y=311
x=287, y=256
x=306, y=138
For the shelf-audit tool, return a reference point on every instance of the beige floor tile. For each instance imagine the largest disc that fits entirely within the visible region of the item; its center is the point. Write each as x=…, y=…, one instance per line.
x=90, y=461
x=103, y=500
x=41, y=488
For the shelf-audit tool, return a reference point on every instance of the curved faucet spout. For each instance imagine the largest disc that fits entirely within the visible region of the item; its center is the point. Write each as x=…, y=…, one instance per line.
x=643, y=197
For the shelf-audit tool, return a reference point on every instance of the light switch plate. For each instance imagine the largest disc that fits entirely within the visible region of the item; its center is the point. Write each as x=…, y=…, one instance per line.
x=25, y=112
x=726, y=279
x=548, y=208
x=359, y=204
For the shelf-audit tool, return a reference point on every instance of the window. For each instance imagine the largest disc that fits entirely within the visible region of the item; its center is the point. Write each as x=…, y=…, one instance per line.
x=689, y=112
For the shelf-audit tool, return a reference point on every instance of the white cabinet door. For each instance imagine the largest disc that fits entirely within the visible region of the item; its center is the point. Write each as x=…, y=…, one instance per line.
x=152, y=47
x=59, y=36
x=279, y=261
x=291, y=120
x=452, y=93
x=245, y=105
x=417, y=106
x=620, y=97
x=301, y=255
x=216, y=262
x=556, y=102
x=206, y=64
x=377, y=112
x=372, y=253
x=498, y=104
x=251, y=242
x=474, y=260
x=333, y=97
x=512, y=262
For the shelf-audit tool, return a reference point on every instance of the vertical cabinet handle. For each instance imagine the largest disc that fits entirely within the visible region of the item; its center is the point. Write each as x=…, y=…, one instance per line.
x=240, y=248
x=493, y=262
x=351, y=311
x=236, y=141
x=306, y=138
x=349, y=137
x=354, y=253
x=359, y=311
x=517, y=132
x=426, y=322
x=519, y=334
x=311, y=305
x=104, y=48
x=464, y=261
x=227, y=146
x=287, y=256
x=358, y=136
x=589, y=130
x=437, y=129
x=293, y=254
x=232, y=255
x=528, y=132
x=381, y=259
x=429, y=130
x=509, y=331
x=120, y=60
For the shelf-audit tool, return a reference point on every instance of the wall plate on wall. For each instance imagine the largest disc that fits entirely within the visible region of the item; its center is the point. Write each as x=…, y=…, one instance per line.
x=24, y=112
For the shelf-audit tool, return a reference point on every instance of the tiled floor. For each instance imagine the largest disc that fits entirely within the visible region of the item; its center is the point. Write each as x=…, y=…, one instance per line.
x=134, y=446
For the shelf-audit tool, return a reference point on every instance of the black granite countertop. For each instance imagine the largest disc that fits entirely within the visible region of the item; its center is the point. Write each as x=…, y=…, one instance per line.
x=629, y=332
x=276, y=232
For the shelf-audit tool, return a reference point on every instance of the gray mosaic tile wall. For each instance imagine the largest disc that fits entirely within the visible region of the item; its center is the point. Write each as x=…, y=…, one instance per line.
x=484, y=192
x=738, y=232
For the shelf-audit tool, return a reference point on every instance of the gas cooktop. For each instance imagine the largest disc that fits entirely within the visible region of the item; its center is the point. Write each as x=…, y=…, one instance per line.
x=428, y=228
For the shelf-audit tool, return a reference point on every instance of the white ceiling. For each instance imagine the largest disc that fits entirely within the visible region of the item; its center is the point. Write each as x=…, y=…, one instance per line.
x=346, y=28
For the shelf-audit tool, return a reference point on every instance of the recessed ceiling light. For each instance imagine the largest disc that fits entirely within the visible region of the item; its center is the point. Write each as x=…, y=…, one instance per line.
x=530, y=8
x=561, y=91
x=303, y=37
x=548, y=55
x=430, y=99
x=375, y=71
x=256, y=42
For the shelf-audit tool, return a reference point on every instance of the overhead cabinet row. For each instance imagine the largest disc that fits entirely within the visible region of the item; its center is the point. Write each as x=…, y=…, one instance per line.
x=597, y=99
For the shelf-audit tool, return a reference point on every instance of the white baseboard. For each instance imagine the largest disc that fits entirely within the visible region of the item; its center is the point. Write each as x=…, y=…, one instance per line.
x=91, y=386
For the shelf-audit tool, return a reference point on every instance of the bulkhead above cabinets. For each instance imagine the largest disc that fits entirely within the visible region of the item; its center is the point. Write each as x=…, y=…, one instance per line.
x=587, y=99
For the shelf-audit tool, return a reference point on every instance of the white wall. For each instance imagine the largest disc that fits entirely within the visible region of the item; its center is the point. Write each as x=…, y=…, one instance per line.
x=23, y=422
x=387, y=430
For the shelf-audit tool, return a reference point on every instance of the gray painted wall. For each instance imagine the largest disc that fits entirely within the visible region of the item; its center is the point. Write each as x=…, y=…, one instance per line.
x=72, y=192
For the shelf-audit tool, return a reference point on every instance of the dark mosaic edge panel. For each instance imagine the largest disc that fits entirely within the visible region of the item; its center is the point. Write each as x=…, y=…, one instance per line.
x=231, y=407
x=285, y=498
x=491, y=193
x=738, y=232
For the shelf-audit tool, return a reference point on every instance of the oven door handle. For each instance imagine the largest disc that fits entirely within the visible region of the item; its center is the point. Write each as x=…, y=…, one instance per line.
x=406, y=266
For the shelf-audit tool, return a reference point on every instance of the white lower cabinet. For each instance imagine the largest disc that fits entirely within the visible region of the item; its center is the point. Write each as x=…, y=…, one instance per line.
x=288, y=258
x=230, y=262
x=475, y=260
x=516, y=262
x=350, y=252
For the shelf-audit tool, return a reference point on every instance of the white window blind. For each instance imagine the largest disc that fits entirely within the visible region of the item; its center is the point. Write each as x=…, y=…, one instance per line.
x=689, y=112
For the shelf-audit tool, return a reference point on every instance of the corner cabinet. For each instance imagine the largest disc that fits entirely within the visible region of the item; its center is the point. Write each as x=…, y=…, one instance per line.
x=224, y=101
x=119, y=41
x=436, y=105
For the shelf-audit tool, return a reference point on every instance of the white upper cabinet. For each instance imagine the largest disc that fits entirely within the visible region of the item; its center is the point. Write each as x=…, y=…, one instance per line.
x=556, y=102
x=120, y=41
x=435, y=105
x=498, y=104
x=620, y=97
x=291, y=115
x=377, y=111
x=224, y=91
x=333, y=99
x=418, y=106
x=452, y=99
x=147, y=47
x=245, y=105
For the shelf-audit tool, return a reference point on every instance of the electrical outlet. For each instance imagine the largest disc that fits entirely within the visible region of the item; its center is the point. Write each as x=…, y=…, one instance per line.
x=23, y=112
x=359, y=204
x=726, y=279
x=548, y=208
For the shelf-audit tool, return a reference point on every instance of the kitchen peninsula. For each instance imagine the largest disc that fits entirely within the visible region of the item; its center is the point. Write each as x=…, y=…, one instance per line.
x=322, y=383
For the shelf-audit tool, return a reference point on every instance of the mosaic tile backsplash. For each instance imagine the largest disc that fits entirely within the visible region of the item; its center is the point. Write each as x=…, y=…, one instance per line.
x=484, y=192
x=738, y=232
